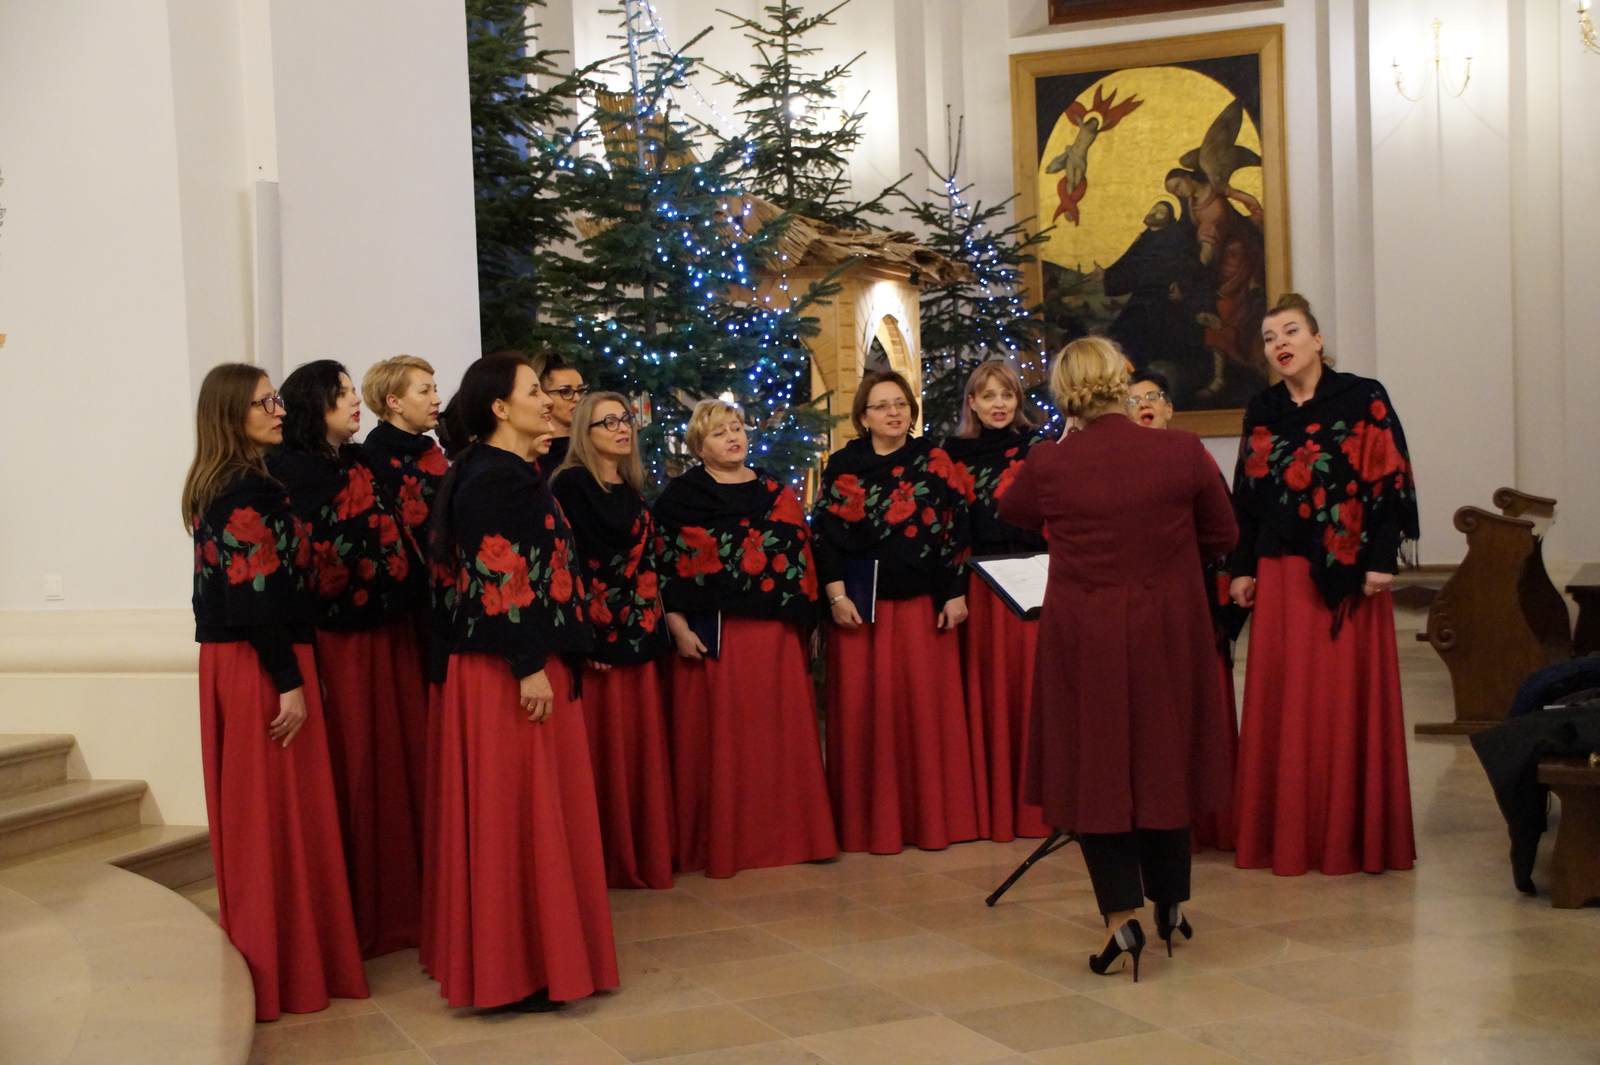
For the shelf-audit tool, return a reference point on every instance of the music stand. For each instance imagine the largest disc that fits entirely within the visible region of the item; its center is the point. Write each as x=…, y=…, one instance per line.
x=1053, y=842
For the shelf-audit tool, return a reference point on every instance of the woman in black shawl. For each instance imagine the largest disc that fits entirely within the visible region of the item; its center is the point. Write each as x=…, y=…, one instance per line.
x=1325, y=499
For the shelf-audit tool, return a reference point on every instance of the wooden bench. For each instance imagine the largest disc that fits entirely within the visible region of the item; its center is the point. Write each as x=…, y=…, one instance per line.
x=1575, y=867
x=1585, y=591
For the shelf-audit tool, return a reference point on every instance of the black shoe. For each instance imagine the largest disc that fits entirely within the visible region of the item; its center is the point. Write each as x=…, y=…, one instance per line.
x=1128, y=937
x=1170, y=919
x=538, y=1002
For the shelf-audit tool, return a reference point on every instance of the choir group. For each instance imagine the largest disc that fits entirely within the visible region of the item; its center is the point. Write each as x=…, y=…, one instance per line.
x=448, y=702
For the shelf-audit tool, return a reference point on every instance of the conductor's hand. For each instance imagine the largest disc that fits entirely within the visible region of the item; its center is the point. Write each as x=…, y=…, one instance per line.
x=842, y=607
x=689, y=645
x=953, y=613
x=536, y=696
x=1243, y=591
x=1377, y=583
x=291, y=715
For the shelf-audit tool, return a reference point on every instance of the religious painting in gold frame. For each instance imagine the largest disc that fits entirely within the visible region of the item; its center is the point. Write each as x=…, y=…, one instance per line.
x=1160, y=166
x=1063, y=11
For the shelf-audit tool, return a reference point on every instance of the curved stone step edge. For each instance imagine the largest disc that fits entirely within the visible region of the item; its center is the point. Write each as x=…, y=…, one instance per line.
x=171, y=855
x=38, y=820
x=33, y=760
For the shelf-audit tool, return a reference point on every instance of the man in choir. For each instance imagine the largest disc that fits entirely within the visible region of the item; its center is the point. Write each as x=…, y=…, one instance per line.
x=565, y=386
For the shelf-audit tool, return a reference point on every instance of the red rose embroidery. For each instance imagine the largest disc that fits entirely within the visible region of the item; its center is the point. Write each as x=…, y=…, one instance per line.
x=560, y=575
x=808, y=574
x=767, y=584
x=388, y=528
x=700, y=552
x=1260, y=448
x=786, y=508
x=647, y=584
x=752, y=559
x=1372, y=451
x=359, y=597
x=902, y=504
x=433, y=463
x=399, y=565
x=356, y=496
x=247, y=527
x=1313, y=429
x=599, y=613
x=238, y=568
x=209, y=553
x=1305, y=510
x=928, y=515
x=516, y=591
x=333, y=576
x=549, y=521
x=493, y=602
x=911, y=532
x=1379, y=409
x=1007, y=476
x=1319, y=496
x=366, y=569
x=850, y=501
x=780, y=562
x=1343, y=541
x=649, y=619
x=497, y=553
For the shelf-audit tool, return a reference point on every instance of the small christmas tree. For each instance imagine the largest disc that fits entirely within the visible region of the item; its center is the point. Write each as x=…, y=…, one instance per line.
x=796, y=143
x=521, y=105
x=965, y=322
x=664, y=297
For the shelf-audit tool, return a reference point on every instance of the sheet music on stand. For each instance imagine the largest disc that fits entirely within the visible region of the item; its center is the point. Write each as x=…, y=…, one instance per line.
x=1017, y=579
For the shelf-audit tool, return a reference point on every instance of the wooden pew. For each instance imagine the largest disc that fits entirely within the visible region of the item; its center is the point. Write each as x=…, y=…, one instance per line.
x=1499, y=617
x=1575, y=865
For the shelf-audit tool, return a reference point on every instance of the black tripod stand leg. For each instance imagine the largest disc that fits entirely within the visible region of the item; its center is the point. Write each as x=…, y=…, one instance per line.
x=1053, y=842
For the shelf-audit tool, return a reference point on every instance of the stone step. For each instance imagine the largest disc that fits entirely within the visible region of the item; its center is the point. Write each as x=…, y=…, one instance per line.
x=103, y=966
x=29, y=761
x=171, y=855
x=37, y=820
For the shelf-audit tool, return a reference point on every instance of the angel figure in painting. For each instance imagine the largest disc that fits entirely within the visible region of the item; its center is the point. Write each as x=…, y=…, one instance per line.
x=1073, y=164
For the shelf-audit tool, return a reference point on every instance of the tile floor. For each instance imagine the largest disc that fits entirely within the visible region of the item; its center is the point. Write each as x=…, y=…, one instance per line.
x=896, y=961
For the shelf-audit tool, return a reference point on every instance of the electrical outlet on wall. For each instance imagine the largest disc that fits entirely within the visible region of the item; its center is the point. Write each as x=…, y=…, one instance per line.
x=52, y=587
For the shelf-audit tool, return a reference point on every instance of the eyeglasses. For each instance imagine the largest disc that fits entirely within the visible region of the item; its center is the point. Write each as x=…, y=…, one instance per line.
x=1145, y=399
x=568, y=393
x=271, y=404
x=895, y=405
x=613, y=422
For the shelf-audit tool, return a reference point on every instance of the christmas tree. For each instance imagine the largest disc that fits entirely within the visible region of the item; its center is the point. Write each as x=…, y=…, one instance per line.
x=664, y=294
x=521, y=107
x=967, y=321
x=796, y=142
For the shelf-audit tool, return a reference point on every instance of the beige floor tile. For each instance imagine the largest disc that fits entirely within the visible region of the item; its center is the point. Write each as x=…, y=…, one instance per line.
x=1198, y=1000
x=1333, y=977
x=1432, y=1015
x=394, y=1057
x=779, y=974
x=748, y=883
x=923, y=1041
x=439, y=1025
x=1056, y=1022
x=1346, y=931
x=1149, y=1048
x=326, y=1041
x=915, y=955
x=975, y=988
x=1239, y=948
x=831, y=1008
x=692, y=1031
x=662, y=913
x=706, y=948
x=569, y=1044
x=1493, y=1050
x=855, y=868
x=396, y=973
x=1303, y=1036
x=787, y=905
x=658, y=992
x=963, y=913
x=908, y=890
x=337, y=1009
x=1563, y=1000
x=841, y=929
x=786, y=1052
x=1056, y=869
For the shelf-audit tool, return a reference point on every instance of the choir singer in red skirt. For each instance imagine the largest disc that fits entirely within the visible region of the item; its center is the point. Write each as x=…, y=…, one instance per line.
x=517, y=915
x=1130, y=737
x=991, y=443
x=1325, y=498
x=599, y=487
x=891, y=528
x=367, y=575
x=740, y=586
x=284, y=901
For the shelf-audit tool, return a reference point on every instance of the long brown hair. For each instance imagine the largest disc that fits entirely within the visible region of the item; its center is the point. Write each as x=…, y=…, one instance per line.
x=222, y=451
x=581, y=452
x=1001, y=371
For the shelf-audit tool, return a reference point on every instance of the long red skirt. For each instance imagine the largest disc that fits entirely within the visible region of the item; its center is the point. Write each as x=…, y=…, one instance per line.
x=1322, y=780
x=376, y=702
x=1215, y=829
x=997, y=649
x=899, y=754
x=746, y=760
x=627, y=728
x=275, y=846
x=519, y=883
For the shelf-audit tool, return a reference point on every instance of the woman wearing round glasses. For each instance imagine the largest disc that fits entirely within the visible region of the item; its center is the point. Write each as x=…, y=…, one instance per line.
x=280, y=872
x=892, y=541
x=565, y=386
x=599, y=487
x=367, y=648
x=991, y=442
x=740, y=587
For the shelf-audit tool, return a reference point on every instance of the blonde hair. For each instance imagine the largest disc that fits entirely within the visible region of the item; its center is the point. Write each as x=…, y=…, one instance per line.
x=581, y=453
x=703, y=419
x=1293, y=302
x=222, y=451
x=388, y=378
x=986, y=371
x=1088, y=374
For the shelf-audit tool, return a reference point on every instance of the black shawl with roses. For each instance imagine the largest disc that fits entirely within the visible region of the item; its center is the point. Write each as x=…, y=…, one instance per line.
x=742, y=549
x=252, y=559
x=993, y=458
x=1329, y=480
x=613, y=532
x=361, y=559
x=517, y=592
x=907, y=509
x=409, y=468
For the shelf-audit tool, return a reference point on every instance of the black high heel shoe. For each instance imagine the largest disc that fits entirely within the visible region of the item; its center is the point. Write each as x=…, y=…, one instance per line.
x=1166, y=925
x=1128, y=937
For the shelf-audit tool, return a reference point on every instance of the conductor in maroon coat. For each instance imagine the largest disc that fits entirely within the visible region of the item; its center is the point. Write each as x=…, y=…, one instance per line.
x=1130, y=740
